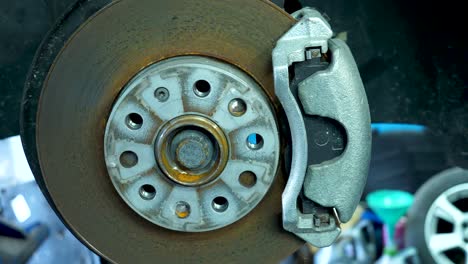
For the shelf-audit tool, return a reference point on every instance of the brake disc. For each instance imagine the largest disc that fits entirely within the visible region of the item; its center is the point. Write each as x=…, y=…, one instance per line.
x=111, y=102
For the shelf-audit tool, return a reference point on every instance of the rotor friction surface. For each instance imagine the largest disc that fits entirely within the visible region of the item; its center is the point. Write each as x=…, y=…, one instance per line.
x=88, y=74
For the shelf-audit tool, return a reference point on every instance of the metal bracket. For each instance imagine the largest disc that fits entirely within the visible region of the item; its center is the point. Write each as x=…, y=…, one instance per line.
x=322, y=94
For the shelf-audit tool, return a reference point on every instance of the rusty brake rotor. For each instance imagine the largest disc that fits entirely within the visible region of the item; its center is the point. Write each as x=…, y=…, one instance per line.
x=88, y=75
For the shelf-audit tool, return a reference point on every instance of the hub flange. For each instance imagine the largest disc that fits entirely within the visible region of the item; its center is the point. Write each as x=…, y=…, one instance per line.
x=202, y=145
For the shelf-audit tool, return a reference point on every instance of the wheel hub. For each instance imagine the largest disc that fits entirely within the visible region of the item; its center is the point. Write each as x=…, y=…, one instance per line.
x=191, y=150
x=210, y=125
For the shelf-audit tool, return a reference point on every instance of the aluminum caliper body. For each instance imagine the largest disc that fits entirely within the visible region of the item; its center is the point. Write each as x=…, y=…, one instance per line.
x=331, y=189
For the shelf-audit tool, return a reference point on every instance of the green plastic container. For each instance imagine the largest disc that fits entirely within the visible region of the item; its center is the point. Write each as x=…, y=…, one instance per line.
x=390, y=206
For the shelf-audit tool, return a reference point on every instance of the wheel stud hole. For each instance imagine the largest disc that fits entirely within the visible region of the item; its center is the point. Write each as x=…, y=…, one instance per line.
x=255, y=141
x=201, y=88
x=182, y=209
x=147, y=191
x=128, y=159
x=237, y=107
x=220, y=204
x=247, y=179
x=134, y=121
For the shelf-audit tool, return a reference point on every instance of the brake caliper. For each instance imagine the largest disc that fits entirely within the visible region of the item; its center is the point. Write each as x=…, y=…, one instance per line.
x=318, y=84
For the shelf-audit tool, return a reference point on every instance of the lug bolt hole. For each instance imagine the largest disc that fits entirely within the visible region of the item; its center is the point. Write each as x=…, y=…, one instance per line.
x=247, y=179
x=147, y=191
x=237, y=107
x=128, y=159
x=182, y=209
x=201, y=88
x=134, y=121
x=255, y=141
x=220, y=204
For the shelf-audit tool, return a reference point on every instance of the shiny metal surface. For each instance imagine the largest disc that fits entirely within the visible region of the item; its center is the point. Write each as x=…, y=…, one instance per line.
x=118, y=42
x=237, y=107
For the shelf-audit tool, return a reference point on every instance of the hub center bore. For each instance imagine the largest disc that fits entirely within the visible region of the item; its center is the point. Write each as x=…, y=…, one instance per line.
x=191, y=150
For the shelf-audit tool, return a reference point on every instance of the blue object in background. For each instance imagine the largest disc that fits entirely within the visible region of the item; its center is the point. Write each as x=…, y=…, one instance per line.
x=371, y=216
x=383, y=128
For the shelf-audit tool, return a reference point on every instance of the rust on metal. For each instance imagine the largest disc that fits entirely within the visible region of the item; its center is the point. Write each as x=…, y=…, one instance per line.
x=87, y=76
